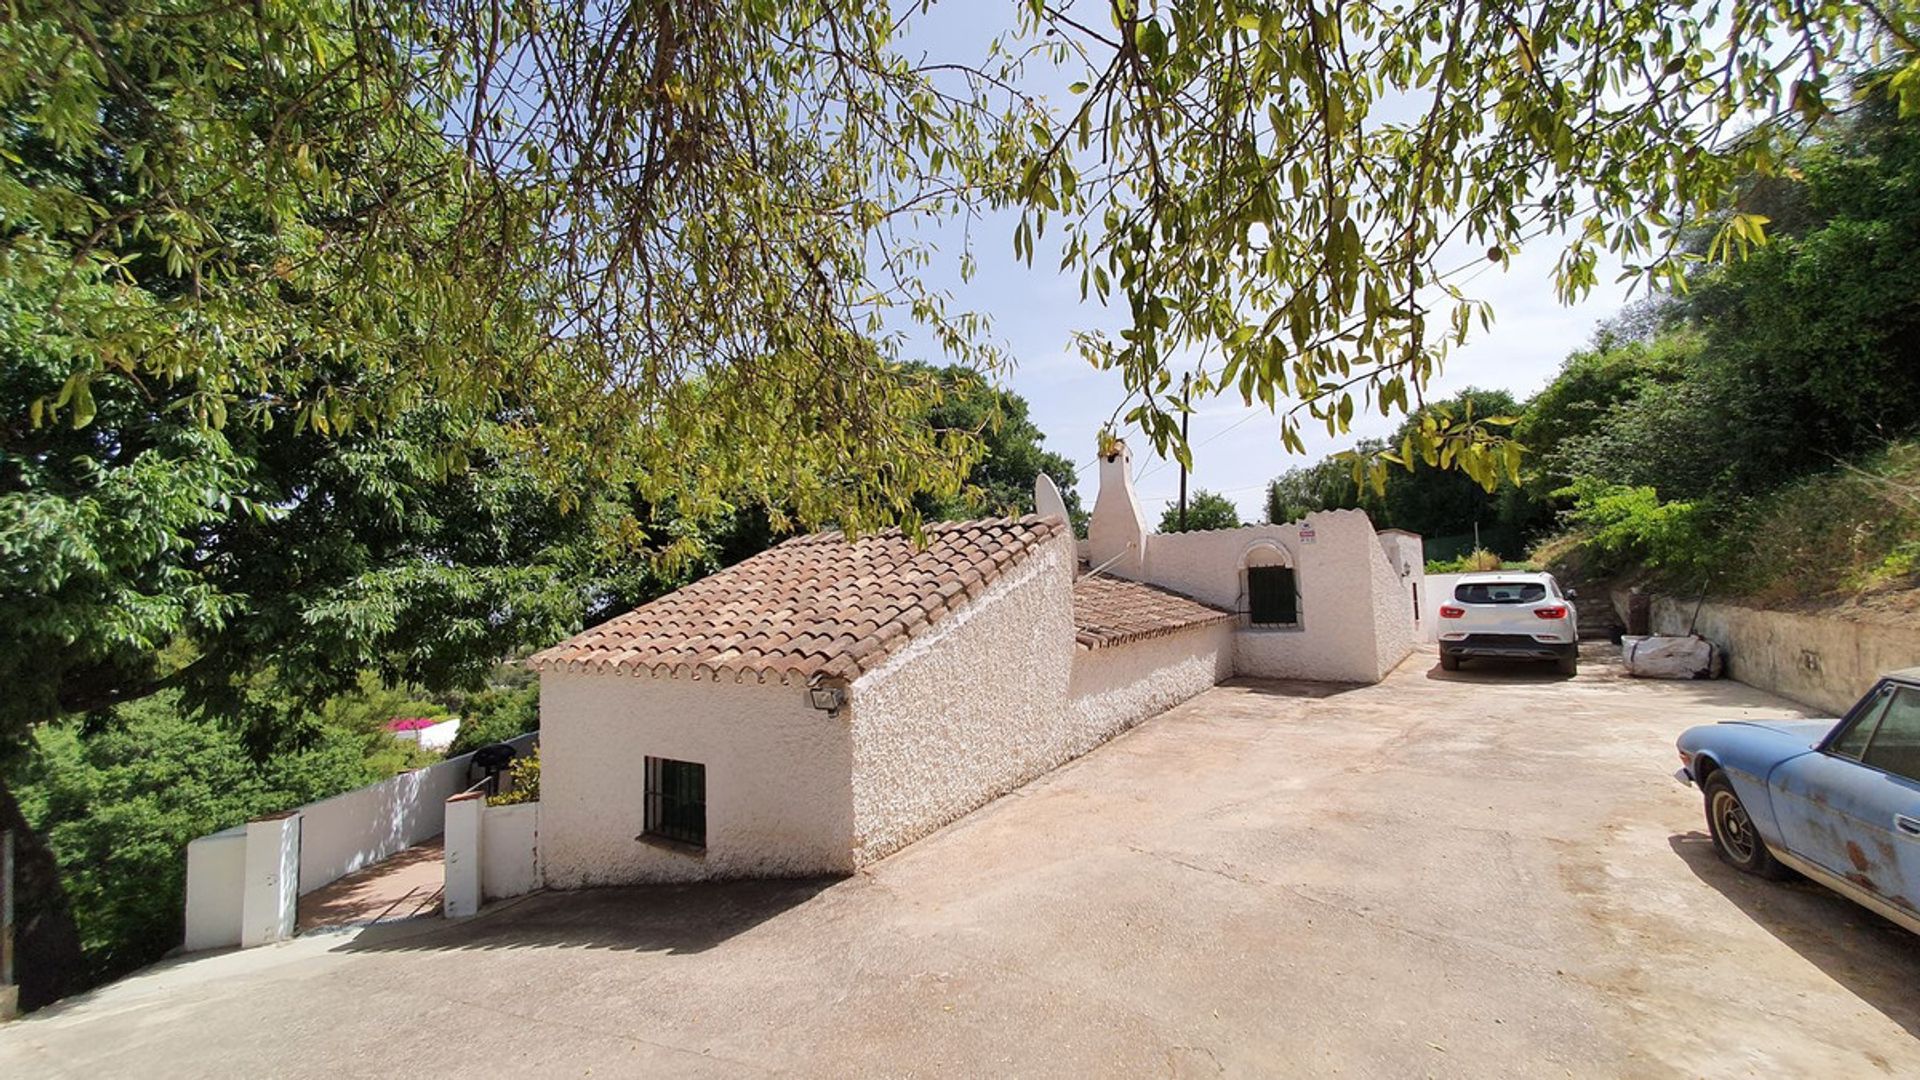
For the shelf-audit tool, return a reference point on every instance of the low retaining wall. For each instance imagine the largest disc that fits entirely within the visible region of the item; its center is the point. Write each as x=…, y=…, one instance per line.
x=243, y=883
x=364, y=826
x=1822, y=662
x=492, y=853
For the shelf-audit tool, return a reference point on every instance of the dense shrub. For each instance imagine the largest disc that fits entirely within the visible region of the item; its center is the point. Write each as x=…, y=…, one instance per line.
x=496, y=715
x=118, y=806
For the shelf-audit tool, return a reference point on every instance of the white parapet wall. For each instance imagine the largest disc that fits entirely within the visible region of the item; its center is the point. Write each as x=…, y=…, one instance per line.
x=269, y=898
x=509, y=850
x=326, y=840
x=460, y=895
x=364, y=826
x=216, y=881
x=492, y=853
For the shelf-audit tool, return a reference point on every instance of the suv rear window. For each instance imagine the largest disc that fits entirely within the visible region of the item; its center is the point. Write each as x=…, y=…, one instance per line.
x=1499, y=592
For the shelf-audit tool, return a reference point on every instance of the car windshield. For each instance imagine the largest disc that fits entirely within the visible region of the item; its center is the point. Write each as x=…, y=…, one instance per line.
x=1499, y=592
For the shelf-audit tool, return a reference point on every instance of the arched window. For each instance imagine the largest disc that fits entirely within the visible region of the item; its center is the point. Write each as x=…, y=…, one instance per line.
x=1270, y=587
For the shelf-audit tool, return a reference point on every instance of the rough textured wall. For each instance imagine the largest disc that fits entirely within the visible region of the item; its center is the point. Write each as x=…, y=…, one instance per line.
x=1117, y=687
x=776, y=770
x=1394, y=631
x=1407, y=554
x=1825, y=663
x=1335, y=571
x=968, y=712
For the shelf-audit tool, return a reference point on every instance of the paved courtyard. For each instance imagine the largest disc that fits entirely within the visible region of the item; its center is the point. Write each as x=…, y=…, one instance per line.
x=1474, y=874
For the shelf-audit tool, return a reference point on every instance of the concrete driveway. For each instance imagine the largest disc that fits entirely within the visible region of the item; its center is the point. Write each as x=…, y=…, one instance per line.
x=1474, y=874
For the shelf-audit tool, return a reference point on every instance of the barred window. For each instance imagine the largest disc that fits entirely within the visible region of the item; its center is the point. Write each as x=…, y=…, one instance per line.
x=1271, y=596
x=677, y=801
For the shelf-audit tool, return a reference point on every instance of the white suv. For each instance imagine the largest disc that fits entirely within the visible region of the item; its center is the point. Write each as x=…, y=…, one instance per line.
x=1512, y=615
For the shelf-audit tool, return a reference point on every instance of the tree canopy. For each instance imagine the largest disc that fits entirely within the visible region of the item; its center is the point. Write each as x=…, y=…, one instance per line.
x=1205, y=510
x=685, y=231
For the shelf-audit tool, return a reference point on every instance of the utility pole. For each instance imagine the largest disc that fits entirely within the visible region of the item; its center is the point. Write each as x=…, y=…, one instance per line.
x=1186, y=384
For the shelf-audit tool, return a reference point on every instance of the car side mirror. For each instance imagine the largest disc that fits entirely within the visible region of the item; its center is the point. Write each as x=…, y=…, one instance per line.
x=1571, y=593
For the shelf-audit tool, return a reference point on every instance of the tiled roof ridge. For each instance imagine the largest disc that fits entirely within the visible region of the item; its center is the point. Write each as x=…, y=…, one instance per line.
x=818, y=607
x=1110, y=611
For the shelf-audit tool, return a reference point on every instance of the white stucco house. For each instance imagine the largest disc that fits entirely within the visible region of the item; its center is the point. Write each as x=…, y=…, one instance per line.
x=824, y=703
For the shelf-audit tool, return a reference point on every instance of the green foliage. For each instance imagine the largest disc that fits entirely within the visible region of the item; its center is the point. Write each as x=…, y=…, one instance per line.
x=325, y=215
x=1286, y=186
x=496, y=715
x=1847, y=529
x=1708, y=445
x=525, y=774
x=1427, y=496
x=1625, y=526
x=1479, y=559
x=1001, y=481
x=1205, y=510
x=119, y=805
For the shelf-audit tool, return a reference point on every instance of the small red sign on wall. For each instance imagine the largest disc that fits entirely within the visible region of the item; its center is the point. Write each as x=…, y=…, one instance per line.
x=1306, y=534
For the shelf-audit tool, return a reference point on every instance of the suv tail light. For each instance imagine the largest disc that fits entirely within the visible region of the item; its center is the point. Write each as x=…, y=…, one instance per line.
x=1557, y=611
x=1448, y=611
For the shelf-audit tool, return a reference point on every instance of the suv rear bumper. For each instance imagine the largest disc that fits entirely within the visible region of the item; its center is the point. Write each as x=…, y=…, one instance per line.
x=1511, y=646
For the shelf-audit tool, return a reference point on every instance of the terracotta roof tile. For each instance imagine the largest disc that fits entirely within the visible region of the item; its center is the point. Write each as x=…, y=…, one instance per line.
x=817, y=605
x=1114, y=611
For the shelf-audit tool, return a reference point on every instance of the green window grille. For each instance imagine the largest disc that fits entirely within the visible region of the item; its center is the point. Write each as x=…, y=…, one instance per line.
x=677, y=801
x=1272, y=599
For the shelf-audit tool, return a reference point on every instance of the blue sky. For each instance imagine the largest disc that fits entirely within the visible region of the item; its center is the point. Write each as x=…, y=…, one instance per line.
x=1036, y=310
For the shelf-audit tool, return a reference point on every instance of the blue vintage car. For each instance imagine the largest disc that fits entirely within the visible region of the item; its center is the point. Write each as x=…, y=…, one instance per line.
x=1838, y=802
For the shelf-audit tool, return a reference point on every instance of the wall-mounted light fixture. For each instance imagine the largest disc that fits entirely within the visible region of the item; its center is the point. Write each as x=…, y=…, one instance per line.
x=827, y=698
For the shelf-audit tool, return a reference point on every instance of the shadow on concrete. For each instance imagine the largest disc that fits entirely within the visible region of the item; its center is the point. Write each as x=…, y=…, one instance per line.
x=688, y=918
x=1492, y=671
x=1873, y=958
x=1292, y=688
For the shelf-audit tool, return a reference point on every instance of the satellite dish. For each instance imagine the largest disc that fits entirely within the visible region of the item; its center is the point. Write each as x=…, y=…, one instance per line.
x=1046, y=498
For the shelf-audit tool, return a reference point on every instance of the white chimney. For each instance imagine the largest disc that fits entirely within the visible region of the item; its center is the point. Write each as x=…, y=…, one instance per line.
x=1117, y=535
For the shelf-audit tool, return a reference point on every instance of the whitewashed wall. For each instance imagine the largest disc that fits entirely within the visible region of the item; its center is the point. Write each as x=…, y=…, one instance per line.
x=363, y=826
x=776, y=773
x=975, y=708
x=1394, y=630
x=1407, y=554
x=216, y=881
x=509, y=850
x=1118, y=686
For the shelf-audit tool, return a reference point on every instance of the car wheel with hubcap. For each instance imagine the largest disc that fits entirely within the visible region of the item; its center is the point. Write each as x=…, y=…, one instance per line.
x=1734, y=836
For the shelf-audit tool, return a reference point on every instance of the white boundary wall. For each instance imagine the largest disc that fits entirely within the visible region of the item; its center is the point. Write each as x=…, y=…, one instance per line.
x=216, y=882
x=492, y=853
x=309, y=847
x=361, y=827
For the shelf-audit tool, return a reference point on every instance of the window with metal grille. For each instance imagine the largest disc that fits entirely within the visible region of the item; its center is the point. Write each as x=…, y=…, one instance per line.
x=677, y=801
x=1272, y=599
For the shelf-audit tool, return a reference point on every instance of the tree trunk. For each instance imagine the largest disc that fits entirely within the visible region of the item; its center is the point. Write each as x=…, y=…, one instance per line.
x=48, y=962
